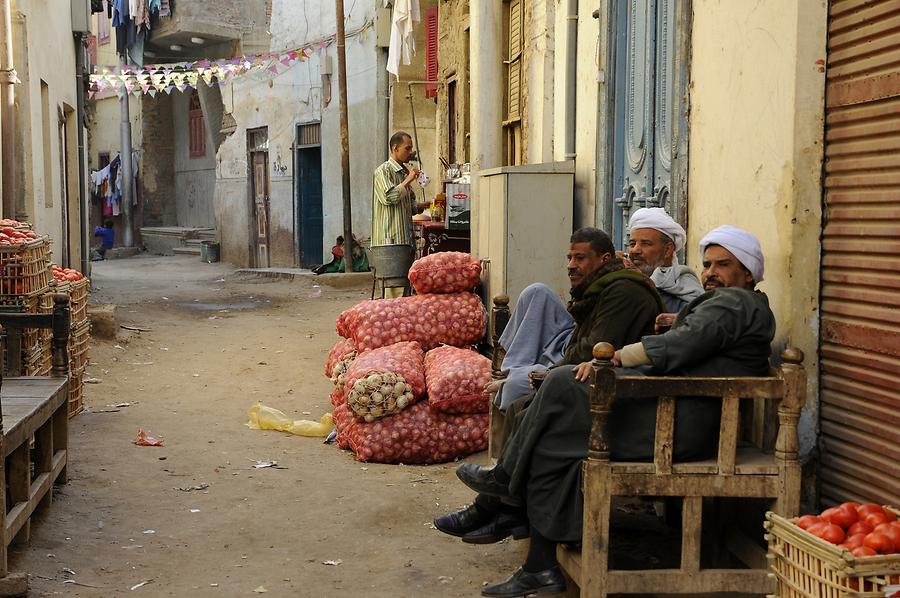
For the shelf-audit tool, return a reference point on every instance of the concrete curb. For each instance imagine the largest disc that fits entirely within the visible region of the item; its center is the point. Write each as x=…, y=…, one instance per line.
x=338, y=281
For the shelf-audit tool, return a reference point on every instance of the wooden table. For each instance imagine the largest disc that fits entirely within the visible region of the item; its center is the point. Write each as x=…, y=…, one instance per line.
x=32, y=407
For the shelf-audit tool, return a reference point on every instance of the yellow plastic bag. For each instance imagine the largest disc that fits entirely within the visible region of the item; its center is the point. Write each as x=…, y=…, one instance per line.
x=268, y=418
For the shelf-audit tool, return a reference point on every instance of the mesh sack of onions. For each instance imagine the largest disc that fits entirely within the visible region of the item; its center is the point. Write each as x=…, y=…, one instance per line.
x=338, y=352
x=445, y=272
x=455, y=380
x=337, y=396
x=343, y=420
x=346, y=319
x=418, y=435
x=385, y=380
x=456, y=319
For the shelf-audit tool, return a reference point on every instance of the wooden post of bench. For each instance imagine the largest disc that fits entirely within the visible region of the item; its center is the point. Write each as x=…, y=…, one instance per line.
x=595, y=555
x=60, y=426
x=500, y=315
x=4, y=569
x=787, y=444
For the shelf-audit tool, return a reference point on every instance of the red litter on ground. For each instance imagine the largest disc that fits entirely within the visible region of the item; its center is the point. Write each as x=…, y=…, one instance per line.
x=145, y=439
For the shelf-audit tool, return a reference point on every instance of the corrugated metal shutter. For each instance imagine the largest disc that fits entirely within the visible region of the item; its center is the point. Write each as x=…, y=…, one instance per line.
x=860, y=326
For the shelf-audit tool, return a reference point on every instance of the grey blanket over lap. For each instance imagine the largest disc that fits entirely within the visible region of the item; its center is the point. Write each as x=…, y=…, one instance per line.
x=535, y=339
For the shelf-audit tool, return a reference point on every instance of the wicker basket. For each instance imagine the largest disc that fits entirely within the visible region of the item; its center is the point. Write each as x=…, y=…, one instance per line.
x=76, y=392
x=78, y=299
x=807, y=566
x=24, y=271
x=35, y=344
x=78, y=345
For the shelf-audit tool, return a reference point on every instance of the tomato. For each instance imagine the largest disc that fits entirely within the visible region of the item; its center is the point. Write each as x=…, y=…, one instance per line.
x=879, y=542
x=854, y=541
x=891, y=531
x=863, y=551
x=832, y=533
x=860, y=527
x=876, y=518
x=867, y=508
x=807, y=520
x=8, y=230
x=890, y=515
x=852, y=505
x=842, y=516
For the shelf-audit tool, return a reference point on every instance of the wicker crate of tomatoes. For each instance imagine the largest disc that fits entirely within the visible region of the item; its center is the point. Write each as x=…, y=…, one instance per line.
x=849, y=550
x=23, y=266
x=16, y=224
x=75, y=285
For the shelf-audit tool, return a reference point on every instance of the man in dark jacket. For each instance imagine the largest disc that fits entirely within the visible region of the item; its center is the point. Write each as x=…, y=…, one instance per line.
x=724, y=332
x=610, y=303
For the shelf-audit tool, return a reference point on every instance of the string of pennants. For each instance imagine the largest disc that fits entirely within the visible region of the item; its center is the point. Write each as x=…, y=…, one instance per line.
x=152, y=79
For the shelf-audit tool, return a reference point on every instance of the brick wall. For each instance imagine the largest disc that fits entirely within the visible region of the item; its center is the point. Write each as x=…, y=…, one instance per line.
x=158, y=162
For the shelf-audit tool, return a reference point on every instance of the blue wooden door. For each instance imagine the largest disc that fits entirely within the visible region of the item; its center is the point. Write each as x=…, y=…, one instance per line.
x=309, y=205
x=643, y=139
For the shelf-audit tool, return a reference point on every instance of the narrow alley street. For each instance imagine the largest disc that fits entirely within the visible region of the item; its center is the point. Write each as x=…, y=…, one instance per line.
x=195, y=518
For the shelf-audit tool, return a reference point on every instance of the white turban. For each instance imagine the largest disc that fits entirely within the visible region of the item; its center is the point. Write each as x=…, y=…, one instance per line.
x=656, y=218
x=742, y=244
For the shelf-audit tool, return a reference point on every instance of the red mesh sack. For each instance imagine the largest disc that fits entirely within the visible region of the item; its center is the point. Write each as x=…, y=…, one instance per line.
x=432, y=320
x=455, y=379
x=346, y=319
x=385, y=380
x=338, y=352
x=418, y=435
x=343, y=420
x=445, y=272
x=337, y=396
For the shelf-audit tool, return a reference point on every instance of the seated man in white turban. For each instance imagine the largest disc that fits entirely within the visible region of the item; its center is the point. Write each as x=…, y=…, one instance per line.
x=726, y=331
x=654, y=237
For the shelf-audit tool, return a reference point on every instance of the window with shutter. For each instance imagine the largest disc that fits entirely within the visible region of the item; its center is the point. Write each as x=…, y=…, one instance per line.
x=196, y=127
x=431, y=50
x=512, y=123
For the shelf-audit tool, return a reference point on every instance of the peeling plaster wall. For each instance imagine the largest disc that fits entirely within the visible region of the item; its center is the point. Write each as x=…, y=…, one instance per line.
x=282, y=102
x=756, y=139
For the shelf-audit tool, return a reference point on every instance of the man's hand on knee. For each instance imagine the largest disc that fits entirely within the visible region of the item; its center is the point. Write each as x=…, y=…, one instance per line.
x=582, y=371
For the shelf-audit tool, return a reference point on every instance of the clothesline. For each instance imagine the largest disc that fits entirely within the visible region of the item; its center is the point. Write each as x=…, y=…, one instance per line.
x=106, y=184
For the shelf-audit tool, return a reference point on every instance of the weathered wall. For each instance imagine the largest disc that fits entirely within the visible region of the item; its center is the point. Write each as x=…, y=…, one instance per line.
x=194, y=177
x=157, y=166
x=756, y=127
x=453, y=63
x=40, y=177
x=281, y=103
x=540, y=53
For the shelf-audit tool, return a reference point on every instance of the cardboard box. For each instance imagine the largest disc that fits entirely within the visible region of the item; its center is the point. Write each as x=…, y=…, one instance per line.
x=459, y=206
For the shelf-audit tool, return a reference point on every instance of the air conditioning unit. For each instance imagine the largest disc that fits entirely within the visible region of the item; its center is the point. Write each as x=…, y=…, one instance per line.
x=81, y=16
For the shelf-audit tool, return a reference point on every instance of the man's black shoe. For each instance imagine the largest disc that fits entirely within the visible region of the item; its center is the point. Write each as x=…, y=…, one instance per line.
x=461, y=522
x=498, y=528
x=483, y=479
x=523, y=583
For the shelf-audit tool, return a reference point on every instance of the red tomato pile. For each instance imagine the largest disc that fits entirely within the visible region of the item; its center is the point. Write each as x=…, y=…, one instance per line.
x=445, y=272
x=864, y=530
x=10, y=222
x=456, y=379
x=417, y=435
x=64, y=274
x=11, y=236
x=431, y=320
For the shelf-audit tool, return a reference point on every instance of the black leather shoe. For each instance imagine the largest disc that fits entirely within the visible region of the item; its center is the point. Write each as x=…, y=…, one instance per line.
x=523, y=583
x=482, y=479
x=498, y=528
x=461, y=522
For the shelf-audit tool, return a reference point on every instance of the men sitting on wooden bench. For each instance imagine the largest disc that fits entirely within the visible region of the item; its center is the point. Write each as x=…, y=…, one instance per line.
x=727, y=331
x=654, y=237
x=610, y=303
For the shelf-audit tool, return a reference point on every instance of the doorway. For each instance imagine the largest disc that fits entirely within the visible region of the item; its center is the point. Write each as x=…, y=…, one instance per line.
x=258, y=150
x=308, y=195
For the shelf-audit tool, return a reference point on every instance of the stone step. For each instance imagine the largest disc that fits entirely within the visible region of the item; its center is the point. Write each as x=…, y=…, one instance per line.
x=192, y=250
x=193, y=242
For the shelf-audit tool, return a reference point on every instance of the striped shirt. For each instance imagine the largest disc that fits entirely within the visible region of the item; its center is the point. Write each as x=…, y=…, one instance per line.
x=392, y=206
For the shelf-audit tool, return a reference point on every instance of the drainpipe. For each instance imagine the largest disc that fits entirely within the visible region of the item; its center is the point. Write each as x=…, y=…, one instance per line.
x=571, y=70
x=127, y=168
x=84, y=212
x=11, y=207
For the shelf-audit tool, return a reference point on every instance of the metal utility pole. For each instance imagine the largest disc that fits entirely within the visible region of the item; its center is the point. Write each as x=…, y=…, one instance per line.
x=345, y=135
x=127, y=169
x=11, y=207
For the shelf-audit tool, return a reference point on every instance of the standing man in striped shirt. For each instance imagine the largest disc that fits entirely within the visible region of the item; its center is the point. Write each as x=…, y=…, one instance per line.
x=393, y=201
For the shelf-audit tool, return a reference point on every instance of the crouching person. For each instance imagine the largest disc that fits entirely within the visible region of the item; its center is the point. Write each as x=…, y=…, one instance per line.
x=726, y=331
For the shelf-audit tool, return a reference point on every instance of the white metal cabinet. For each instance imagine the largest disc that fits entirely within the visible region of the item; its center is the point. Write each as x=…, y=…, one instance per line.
x=521, y=224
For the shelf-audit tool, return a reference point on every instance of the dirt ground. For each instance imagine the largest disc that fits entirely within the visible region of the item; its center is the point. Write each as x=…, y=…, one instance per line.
x=218, y=343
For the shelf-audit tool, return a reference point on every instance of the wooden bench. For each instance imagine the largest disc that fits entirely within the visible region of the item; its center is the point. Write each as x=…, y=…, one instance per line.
x=739, y=471
x=32, y=408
